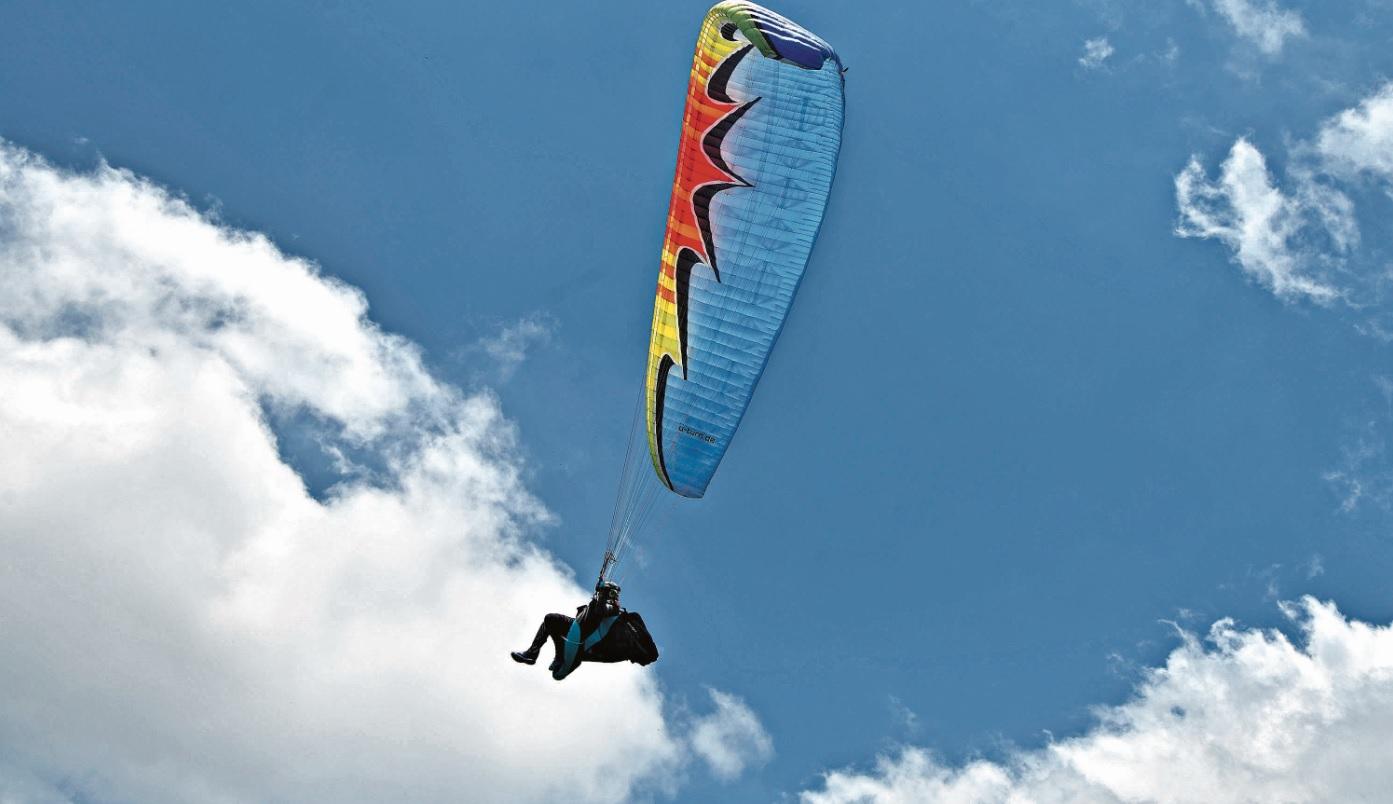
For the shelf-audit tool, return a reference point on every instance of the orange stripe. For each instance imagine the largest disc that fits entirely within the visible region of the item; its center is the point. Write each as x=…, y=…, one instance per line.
x=709, y=107
x=685, y=232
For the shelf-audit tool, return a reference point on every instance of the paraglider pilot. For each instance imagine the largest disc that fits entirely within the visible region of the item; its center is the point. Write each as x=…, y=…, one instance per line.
x=601, y=631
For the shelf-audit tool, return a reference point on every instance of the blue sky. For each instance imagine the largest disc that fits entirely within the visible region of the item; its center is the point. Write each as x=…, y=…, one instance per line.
x=1016, y=428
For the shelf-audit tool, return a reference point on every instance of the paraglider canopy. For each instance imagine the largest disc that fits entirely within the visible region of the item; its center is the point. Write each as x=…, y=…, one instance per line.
x=755, y=160
x=759, y=145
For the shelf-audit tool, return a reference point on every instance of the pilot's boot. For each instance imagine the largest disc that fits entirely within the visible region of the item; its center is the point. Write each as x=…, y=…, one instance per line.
x=529, y=656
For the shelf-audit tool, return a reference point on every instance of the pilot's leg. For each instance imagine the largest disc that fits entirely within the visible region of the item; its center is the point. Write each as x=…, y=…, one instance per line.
x=554, y=626
x=557, y=626
x=568, y=628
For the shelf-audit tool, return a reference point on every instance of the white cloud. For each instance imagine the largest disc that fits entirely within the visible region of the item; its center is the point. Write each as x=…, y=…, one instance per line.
x=1270, y=232
x=1249, y=717
x=904, y=717
x=1360, y=140
x=1095, y=52
x=731, y=738
x=1171, y=54
x=509, y=347
x=181, y=620
x=1300, y=237
x=1262, y=23
x=1364, y=475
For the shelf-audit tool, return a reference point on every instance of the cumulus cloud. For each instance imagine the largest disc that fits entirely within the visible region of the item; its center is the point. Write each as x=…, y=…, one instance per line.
x=731, y=738
x=1300, y=236
x=181, y=619
x=1246, y=715
x=1095, y=52
x=1360, y=140
x=1275, y=237
x=1262, y=23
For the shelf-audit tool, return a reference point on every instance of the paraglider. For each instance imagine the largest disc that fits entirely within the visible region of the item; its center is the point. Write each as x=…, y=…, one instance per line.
x=601, y=631
x=755, y=161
